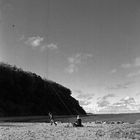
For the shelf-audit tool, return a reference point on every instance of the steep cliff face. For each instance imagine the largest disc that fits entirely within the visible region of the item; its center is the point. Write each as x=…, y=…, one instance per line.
x=25, y=93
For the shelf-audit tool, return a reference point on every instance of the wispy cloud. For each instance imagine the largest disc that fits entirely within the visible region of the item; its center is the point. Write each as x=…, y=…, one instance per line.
x=134, y=74
x=120, y=86
x=85, y=99
x=135, y=63
x=72, y=68
x=108, y=96
x=84, y=102
x=50, y=46
x=87, y=96
x=76, y=60
x=103, y=102
x=138, y=94
x=82, y=95
x=78, y=91
x=126, y=65
x=34, y=41
x=73, y=61
x=21, y=38
x=113, y=71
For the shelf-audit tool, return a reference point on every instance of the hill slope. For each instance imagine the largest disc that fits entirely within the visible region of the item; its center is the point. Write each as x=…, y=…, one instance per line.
x=25, y=93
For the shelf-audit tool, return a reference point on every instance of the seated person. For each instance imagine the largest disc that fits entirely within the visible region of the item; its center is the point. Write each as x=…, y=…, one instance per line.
x=78, y=122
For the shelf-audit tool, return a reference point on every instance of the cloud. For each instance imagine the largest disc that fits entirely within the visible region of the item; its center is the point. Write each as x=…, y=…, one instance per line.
x=125, y=105
x=133, y=74
x=50, y=46
x=72, y=68
x=138, y=93
x=120, y=86
x=82, y=95
x=73, y=61
x=113, y=71
x=87, y=96
x=104, y=105
x=103, y=102
x=22, y=37
x=85, y=99
x=76, y=60
x=34, y=41
x=84, y=103
x=108, y=96
x=127, y=101
x=78, y=91
x=135, y=63
x=38, y=42
x=115, y=109
x=126, y=65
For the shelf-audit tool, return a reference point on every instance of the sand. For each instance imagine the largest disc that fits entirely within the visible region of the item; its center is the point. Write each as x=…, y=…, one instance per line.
x=65, y=131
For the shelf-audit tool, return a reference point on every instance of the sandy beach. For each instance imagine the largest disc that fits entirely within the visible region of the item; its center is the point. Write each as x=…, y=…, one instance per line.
x=65, y=131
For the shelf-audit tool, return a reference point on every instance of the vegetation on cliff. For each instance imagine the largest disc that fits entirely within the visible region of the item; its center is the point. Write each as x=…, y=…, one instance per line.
x=24, y=93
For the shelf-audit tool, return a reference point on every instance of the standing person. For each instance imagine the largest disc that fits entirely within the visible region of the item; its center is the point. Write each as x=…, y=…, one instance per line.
x=51, y=119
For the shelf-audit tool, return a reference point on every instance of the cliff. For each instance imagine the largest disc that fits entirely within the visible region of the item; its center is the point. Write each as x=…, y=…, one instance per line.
x=24, y=93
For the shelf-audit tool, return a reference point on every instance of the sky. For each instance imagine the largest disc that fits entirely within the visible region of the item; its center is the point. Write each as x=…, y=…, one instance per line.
x=91, y=47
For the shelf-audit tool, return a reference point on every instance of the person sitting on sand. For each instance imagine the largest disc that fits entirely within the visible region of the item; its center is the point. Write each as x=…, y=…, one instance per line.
x=78, y=122
x=51, y=119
